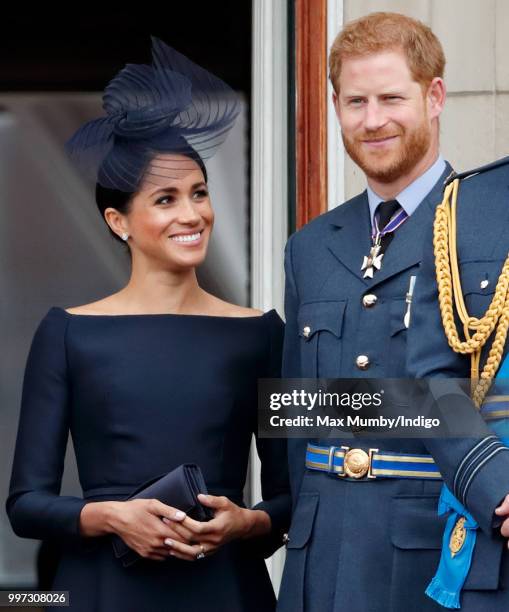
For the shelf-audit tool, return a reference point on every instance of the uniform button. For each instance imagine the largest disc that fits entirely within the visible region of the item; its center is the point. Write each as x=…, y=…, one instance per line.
x=306, y=331
x=369, y=300
x=362, y=362
x=286, y=539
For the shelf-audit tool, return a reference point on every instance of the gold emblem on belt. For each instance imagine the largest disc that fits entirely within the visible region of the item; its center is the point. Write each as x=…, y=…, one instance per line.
x=356, y=463
x=458, y=536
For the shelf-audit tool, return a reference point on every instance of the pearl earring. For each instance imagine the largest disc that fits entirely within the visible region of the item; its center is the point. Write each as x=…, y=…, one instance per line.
x=124, y=236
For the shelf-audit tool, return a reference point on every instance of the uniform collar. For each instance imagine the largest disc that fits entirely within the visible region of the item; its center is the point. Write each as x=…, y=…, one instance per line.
x=414, y=194
x=352, y=220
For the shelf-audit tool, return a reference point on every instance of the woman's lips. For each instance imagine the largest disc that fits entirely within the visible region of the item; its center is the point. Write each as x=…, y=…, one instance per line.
x=187, y=240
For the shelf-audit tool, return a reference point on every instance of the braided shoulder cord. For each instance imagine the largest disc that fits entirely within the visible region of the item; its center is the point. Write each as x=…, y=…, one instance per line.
x=476, y=331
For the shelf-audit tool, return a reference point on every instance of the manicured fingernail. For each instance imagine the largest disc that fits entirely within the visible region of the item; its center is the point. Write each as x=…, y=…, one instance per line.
x=168, y=542
x=179, y=515
x=203, y=496
x=165, y=520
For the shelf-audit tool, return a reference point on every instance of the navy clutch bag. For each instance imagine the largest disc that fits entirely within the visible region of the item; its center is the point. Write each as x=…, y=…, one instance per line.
x=179, y=488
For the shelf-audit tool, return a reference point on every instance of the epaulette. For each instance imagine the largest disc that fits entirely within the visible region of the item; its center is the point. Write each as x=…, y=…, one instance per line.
x=468, y=173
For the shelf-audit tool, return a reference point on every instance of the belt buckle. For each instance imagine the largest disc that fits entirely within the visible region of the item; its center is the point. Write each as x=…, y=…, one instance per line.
x=357, y=463
x=372, y=452
x=330, y=464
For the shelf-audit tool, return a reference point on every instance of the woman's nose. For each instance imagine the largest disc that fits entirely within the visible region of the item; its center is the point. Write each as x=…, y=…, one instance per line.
x=188, y=213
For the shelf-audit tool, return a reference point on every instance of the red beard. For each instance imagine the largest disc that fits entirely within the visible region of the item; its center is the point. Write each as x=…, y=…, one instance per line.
x=388, y=166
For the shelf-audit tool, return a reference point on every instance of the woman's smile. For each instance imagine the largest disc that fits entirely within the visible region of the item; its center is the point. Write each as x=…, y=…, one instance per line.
x=187, y=239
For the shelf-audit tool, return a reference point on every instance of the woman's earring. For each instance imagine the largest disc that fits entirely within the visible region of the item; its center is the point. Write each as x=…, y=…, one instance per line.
x=124, y=236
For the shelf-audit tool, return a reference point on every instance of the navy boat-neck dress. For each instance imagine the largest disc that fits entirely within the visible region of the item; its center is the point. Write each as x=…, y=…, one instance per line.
x=141, y=394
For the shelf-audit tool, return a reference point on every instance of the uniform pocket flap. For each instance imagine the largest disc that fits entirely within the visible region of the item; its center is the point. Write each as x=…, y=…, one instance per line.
x=319, y=316
x=415, y=523
x=480, y=277
x=302, y=520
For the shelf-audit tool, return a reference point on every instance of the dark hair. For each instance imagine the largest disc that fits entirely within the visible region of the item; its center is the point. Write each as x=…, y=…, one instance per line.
x=107, y=197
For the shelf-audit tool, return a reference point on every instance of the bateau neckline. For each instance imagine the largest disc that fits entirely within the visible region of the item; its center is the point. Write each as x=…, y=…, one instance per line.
x=162, y=314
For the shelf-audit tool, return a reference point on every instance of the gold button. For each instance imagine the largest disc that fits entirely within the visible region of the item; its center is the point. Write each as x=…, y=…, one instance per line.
x=369, y=300
x=356, y=463
x=362, y=362
x=306, y=331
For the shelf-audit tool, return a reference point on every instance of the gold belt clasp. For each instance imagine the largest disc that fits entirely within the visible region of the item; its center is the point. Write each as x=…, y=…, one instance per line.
x=357, y=463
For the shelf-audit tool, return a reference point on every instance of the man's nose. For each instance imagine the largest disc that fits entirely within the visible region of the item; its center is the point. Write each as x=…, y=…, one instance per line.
x=374, y=117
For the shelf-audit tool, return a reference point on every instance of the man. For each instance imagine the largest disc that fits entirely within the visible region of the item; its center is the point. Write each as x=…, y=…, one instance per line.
x=359, y=543
x=475, y=470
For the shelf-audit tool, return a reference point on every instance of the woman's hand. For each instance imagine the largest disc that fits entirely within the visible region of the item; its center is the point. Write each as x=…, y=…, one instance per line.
x=230, y=522
x=138, y=522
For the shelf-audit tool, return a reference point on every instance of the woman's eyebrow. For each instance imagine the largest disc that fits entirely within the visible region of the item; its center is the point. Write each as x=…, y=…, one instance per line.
x=176, y=189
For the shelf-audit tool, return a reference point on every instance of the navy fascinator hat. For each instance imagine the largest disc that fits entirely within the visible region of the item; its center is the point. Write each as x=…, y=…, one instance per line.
x=160, y=119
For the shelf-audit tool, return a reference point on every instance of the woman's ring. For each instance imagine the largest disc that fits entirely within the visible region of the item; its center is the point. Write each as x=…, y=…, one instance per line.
x=201, y=554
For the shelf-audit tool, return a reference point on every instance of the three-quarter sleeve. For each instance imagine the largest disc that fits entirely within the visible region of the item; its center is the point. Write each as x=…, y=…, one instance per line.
x=34, y=506
x=273, y=457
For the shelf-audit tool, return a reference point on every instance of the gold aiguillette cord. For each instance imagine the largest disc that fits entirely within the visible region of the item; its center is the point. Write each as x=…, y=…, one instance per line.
x=476, y=331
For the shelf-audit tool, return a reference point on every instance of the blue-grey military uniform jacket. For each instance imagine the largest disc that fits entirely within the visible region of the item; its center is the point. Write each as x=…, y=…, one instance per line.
x=366, y=545
x=477, y=471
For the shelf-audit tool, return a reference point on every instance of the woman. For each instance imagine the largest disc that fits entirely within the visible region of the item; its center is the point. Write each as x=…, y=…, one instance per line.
x=159, y=374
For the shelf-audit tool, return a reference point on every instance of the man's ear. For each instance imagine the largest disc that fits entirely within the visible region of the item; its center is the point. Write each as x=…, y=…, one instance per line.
x=435, y=97
x=335, y=102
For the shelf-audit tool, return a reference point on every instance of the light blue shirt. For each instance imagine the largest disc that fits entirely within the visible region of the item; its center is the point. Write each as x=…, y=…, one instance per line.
x=414, y=194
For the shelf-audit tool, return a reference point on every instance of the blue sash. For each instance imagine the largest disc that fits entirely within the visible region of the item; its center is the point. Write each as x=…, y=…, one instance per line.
x=461, y=528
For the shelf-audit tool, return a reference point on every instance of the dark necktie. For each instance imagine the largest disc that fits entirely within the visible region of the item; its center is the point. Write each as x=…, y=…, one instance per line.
x=384, y=211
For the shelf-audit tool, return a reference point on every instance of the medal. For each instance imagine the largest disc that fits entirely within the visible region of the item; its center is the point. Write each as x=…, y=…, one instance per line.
x=458, y=536
x=373, y=261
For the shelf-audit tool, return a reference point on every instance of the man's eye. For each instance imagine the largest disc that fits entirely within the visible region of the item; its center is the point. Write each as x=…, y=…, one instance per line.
x=355, y=101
